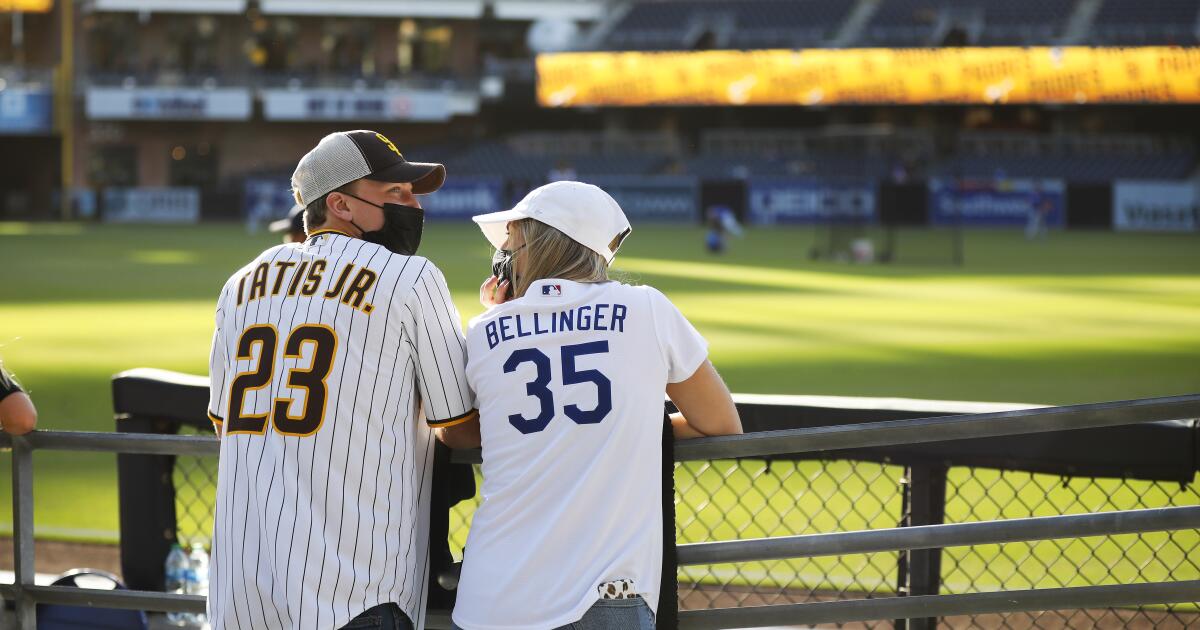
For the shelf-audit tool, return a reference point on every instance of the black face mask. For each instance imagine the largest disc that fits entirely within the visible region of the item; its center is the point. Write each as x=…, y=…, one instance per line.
x=502, y=264
x=402, y=226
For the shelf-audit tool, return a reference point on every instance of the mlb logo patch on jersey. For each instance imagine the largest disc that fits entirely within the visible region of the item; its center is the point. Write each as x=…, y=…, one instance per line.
x=552, y=290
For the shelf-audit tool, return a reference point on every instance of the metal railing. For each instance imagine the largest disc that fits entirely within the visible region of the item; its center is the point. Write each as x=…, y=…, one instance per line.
x=921, y=430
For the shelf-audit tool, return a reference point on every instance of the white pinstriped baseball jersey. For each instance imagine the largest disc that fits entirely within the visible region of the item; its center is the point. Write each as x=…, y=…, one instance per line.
x=326, y=356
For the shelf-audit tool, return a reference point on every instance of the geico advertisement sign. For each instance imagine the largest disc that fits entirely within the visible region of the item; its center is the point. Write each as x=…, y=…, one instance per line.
x=785, y=200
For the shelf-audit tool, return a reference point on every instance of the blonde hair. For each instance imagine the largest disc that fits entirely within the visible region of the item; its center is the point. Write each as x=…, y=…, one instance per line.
x=552, y=254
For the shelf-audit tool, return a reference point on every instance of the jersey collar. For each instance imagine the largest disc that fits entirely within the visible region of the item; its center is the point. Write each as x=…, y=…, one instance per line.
x=551, y=287
x=326, y=231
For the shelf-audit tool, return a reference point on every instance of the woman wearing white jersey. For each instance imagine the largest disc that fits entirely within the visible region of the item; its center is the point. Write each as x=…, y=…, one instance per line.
x=570, y=374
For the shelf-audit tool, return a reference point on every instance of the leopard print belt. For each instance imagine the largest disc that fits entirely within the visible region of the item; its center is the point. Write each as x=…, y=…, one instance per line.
x=617, y=589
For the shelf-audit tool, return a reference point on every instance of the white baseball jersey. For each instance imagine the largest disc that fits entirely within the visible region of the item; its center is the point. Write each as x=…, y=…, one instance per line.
x=329, y=359
x=570, y=380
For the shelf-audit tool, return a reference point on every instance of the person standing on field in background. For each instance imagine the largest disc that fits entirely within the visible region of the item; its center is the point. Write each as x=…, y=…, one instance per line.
x=569, y=369
x=291, y=226
x=1040, y=207
x=335, y=362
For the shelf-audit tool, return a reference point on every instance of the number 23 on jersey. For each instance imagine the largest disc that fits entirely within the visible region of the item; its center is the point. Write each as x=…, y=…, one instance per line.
x=323, y=341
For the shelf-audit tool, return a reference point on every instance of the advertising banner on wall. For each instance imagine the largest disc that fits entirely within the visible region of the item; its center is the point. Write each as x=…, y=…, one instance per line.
x=172, y=6
x=913, y=76
x=996, y=202
x=27, y=6
x=1155, y=206
x=791, y=200
x=468, y=9
x=464, y=197
x=105, y=103
x=653, y=198
x=367, y=105
x=152, y=205
x=25, y=111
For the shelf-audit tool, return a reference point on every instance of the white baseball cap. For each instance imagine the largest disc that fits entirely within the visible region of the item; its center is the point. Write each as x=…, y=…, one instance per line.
x=586, y=214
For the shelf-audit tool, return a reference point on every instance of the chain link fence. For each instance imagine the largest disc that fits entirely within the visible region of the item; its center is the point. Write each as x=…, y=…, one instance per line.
x=753, y=498
x=195, y=480
x=978, y=494
x=750, y=498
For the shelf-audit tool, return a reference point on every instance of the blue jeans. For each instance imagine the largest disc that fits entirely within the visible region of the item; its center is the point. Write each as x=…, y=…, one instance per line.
x=612, y=614
x=383, y=616
x=615, y=614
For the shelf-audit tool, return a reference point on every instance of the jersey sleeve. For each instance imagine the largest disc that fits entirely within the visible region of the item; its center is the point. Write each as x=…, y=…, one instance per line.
x=683, y=348
x=8, y=385
x=217, y=371
x=440, y=351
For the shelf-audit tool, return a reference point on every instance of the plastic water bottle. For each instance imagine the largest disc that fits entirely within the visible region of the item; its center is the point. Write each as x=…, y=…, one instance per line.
x=197, y=583
x=177, y=570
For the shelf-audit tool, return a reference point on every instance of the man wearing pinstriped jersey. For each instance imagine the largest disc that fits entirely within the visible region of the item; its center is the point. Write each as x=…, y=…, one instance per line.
x=335, y=363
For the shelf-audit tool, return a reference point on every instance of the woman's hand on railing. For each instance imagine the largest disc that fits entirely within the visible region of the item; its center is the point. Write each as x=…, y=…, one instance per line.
x=706, y=406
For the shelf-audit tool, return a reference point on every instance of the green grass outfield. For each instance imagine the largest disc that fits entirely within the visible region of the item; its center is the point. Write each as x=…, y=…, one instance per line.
x=1080, y=317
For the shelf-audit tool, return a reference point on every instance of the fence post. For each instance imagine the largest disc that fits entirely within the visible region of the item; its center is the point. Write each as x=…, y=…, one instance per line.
x=22, y=480
x=921, y=569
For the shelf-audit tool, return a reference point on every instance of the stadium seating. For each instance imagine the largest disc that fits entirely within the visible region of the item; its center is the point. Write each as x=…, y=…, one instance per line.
x=1081, y=169
x=1138, y=22
x=1083, y=158
x=1023, y=21
x=903, y=23
x=811, y=165
x=497, y=159
x=787, y=24
x=732, y=167
x=692, y=24
x=740, y=154
x=617, y=165
x=981, y=22
x=750, y=24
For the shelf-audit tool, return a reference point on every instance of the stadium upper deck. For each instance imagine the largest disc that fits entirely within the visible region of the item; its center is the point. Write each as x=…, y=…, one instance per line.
x=703, y=24
x=184, y=94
